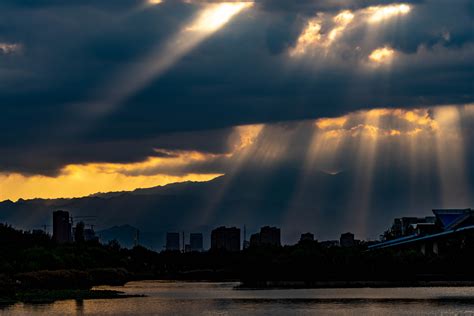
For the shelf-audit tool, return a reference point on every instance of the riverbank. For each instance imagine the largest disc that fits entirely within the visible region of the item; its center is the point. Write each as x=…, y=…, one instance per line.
x=49, y=286
x=38, y=296
x=257, y=285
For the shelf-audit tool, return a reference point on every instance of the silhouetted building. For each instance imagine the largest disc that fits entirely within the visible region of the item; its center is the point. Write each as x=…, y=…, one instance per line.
x=79, y=232
x=61, y=227
x=406, y=226
x=195, y=242
x=347, y=240
x=268, y=236
x=224, y=238
x=306, y=237
x=172, y=242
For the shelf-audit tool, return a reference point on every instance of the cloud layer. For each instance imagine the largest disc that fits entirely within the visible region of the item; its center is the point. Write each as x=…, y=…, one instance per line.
x=59, y=60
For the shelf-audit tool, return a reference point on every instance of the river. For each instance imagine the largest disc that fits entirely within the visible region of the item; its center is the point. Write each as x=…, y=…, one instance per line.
x=201, y=298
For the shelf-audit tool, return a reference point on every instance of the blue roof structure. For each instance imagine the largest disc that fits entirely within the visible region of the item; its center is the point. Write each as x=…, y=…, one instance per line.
x=450, y=218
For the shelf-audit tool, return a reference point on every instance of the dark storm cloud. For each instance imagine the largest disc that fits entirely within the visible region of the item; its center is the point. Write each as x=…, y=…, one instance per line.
x=71, y=50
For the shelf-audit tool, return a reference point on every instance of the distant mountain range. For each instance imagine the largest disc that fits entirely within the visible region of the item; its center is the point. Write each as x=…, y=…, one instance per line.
x=296, y=202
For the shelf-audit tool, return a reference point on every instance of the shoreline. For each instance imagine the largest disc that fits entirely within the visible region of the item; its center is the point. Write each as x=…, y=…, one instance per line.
x=261, y=285
x=43, y=296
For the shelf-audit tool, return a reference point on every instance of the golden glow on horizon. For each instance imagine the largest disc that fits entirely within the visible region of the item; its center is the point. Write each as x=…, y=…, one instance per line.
x=85, y=179
x=79, y=181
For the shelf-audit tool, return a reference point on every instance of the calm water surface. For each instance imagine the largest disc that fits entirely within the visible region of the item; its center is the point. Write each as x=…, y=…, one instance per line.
x=181, y=298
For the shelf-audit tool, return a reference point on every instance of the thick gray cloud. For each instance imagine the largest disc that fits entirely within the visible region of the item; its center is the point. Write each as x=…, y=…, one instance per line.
x=71, y=51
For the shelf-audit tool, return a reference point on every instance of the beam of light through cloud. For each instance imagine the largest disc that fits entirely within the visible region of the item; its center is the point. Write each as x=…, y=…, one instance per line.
x=208, y=21
x=451, y=157
x=321, y=158
x=368, y=142
x=244, y=145
x=354, y=146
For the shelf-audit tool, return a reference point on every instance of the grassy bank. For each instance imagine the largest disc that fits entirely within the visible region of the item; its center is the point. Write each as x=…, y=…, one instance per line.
x=37, y=296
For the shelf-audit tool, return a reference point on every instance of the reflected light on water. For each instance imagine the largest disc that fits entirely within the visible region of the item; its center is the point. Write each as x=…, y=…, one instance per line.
x=181, y=298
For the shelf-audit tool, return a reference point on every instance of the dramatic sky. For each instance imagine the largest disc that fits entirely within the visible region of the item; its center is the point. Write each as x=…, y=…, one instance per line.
x=111, y=95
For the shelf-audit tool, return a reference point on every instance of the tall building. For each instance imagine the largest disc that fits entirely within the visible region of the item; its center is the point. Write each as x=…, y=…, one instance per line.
x=268, y=236
x=224, y=238
x=347, y=240
x=195, y=242
x=172, y=242
x=61, y=227
x=79, y=232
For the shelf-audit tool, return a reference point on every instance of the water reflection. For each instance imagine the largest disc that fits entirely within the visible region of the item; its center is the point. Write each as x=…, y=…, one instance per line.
x=180, y=298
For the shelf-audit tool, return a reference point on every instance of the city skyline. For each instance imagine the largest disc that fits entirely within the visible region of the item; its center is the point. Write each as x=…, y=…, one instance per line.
x=292, y=114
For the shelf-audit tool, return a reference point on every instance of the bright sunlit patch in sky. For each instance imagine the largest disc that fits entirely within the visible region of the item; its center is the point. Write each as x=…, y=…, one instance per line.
x=9, y=48
x=309, y=36
x=326, y=29
x=312, y=36
x=217, y=15
x=380, y=13
x=341, y=20
x=154, y=2
x=383, y=55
